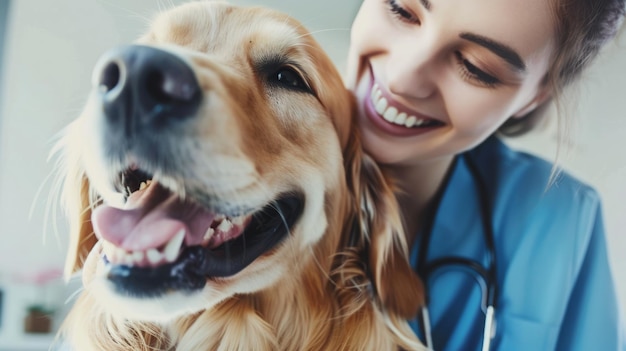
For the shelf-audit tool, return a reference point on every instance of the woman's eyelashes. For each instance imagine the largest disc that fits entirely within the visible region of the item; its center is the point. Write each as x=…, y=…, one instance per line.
x=401, y=13
x=467, y=69
x=474, y=74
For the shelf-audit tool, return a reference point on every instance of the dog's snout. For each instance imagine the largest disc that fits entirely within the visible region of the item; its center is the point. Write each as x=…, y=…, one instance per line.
x=145, y=86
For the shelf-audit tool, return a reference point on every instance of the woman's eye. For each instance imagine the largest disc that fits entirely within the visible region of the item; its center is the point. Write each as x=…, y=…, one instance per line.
x=401, y=13
x=287, y=77
x=475, y=74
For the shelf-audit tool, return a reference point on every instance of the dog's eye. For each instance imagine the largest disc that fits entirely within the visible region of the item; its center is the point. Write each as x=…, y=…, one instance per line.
x=289, y=78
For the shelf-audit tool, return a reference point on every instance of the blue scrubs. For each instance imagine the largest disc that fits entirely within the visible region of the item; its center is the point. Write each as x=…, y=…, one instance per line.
x=556, y=289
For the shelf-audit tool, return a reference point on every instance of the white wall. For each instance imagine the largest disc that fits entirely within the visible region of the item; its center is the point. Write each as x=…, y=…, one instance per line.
x=51, y=49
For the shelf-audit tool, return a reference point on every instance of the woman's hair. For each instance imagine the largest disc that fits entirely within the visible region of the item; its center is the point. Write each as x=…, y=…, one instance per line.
x=582, y=28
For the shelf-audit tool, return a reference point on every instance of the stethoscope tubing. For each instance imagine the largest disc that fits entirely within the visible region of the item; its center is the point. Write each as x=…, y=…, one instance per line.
x=489, y=330
x=488, y=274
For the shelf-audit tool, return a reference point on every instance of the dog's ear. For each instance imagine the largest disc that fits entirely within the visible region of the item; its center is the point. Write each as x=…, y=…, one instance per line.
x=77, y=201
x=377, y=232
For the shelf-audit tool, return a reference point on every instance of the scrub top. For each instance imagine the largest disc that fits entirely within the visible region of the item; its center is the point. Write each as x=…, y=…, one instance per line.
x=556, y=291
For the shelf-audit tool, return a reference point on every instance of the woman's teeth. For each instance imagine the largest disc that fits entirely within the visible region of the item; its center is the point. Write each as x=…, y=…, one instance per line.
x=392, y=115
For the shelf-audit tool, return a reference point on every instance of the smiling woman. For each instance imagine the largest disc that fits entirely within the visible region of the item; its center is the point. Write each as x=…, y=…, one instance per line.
x=437, y=92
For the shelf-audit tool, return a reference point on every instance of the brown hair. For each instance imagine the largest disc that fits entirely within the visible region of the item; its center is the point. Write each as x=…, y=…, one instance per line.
x=582, y=28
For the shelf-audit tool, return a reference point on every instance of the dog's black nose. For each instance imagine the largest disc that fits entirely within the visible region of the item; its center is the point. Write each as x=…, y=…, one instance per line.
x=144, y=86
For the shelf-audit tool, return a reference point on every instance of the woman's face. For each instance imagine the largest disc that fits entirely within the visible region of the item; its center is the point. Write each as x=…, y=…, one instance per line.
x=436, y=77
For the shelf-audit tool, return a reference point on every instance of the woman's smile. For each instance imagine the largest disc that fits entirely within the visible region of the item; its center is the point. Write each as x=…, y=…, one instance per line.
x=437, y=90
x=393, y=117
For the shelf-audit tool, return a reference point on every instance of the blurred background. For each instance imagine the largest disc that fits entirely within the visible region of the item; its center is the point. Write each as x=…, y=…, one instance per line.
x=47, y=51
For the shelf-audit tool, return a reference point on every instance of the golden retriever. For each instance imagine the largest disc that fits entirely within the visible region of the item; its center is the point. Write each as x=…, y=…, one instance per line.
x=219, y=199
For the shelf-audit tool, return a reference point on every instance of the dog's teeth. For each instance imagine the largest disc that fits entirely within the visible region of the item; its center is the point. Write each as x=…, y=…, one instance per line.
x=124, y=257
x=129, y=259
x=107, y=248
x=225, y=225
x=173, y=246
x=170, y=255
x=143, y=185
x=118, y=255
x=207, y=236
x=154, y=256
x=237, y=221
x=138, y=256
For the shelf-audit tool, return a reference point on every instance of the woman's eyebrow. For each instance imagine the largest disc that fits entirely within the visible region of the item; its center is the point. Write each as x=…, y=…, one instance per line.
x=502, y=50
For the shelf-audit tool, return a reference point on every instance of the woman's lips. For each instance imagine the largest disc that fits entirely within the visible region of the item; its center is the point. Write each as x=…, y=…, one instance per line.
x=394, y=118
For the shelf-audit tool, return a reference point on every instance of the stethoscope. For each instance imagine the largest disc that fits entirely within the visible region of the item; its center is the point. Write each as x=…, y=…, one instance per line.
x=485, y=275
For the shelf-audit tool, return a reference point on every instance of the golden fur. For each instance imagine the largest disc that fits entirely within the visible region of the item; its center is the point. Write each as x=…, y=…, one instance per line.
x=339, y=281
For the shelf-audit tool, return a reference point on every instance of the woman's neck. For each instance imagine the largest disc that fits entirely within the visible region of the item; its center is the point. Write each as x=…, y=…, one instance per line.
x=418, y=184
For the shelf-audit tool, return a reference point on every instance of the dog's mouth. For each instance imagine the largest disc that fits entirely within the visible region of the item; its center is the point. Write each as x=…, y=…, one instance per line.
x=162, y=242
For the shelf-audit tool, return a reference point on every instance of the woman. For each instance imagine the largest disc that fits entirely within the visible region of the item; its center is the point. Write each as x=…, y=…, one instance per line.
x=435, y=81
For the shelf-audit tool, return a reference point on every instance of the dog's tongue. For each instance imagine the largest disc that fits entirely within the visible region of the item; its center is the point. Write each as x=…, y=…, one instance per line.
x=151, y=219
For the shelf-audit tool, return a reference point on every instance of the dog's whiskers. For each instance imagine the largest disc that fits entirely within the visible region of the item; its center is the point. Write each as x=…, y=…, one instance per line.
x=55, y=176
x=323, y=31
x=50, y=209
x=308, y=46
x=280, y=213
x=143, y=17
x=165, y=5
x=73, y=296
x=321, y=268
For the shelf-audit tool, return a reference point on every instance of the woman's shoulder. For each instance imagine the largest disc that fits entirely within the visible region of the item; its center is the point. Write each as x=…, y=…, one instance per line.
x=522, y=187
x=528, y=175
x=549, y=237
x=528, y=209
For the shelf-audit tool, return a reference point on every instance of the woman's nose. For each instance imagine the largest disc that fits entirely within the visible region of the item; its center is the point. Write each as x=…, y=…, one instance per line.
x=411, y=69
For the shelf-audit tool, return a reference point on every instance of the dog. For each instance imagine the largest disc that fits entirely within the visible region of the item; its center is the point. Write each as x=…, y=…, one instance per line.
x=219, y=199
